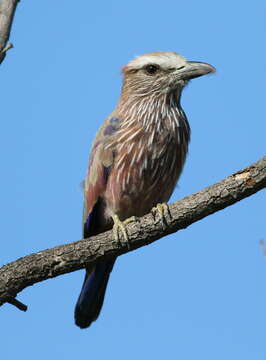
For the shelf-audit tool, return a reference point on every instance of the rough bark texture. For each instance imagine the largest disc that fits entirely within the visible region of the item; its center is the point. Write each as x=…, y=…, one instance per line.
x=50, y=263
x=7, y=11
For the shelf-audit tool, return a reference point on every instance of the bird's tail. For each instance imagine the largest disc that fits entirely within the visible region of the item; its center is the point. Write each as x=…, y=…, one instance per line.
x=91, y=297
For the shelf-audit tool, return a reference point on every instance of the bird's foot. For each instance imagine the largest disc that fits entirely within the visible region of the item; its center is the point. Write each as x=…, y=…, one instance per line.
x=163, y=211
x=121, y=225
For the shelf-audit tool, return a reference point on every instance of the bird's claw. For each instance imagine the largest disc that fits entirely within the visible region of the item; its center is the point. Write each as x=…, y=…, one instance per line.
x=163, y=211
x=121, y=225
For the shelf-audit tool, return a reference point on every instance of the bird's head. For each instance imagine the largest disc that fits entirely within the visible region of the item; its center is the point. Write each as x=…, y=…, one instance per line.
x=161, y=72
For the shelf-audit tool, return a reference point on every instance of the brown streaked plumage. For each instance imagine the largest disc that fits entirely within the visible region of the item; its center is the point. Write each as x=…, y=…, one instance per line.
x=137, y=156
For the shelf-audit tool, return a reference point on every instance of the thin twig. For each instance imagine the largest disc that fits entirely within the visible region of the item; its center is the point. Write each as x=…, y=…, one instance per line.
x=6, y=48
x=18, y=304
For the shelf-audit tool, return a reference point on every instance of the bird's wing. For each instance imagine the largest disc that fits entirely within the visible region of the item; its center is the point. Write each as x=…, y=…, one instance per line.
x=93, y=289
x=100, y=165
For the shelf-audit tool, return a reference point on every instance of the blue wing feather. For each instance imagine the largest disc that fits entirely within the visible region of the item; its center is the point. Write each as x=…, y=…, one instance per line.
x=91, y=297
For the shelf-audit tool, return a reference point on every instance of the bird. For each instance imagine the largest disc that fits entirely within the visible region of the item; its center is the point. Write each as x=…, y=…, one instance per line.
x=136, y=159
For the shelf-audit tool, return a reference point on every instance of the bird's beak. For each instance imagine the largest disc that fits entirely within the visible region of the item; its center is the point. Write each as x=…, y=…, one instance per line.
x=194, y=69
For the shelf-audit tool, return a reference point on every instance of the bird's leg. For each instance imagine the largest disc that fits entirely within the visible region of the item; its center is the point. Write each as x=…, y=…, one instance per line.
x=121, y=225
x=163, y=211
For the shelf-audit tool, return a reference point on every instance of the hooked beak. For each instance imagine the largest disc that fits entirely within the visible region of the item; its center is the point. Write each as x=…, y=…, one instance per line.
x=194, y=69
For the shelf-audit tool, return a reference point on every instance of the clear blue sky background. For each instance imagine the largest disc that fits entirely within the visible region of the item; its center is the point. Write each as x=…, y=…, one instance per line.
x=198, y=294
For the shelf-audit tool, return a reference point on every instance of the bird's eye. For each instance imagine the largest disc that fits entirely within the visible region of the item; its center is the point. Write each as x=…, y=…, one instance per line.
x=151, y=69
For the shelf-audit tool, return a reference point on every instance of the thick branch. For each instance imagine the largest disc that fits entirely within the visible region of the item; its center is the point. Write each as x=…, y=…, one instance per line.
x=50, y=263
x=7, y=11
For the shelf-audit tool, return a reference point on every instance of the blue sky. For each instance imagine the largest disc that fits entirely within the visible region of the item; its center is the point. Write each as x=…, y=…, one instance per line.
x=197, y=294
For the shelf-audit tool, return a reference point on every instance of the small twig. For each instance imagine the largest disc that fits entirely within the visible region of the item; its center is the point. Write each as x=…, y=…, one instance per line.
x=4, y=50
x=7, y=47
x=18, y=304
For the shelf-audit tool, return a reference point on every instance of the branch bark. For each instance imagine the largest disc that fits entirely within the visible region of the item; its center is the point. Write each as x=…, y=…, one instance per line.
x=26, y=271
x=7, y=12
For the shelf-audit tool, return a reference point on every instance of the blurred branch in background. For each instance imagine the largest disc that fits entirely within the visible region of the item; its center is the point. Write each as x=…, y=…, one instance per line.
x=7, y=12
x=26, y=271
x=263, y=247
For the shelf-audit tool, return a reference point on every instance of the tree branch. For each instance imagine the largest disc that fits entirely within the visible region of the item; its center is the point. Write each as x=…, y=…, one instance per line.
x=50, y=263
x=7, y=12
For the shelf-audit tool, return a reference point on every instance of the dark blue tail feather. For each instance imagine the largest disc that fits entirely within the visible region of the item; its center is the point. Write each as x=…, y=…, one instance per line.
x=91, y=297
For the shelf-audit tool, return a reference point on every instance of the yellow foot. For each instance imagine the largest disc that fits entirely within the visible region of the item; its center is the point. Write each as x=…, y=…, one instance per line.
x=163, y=211
x=121, y=225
